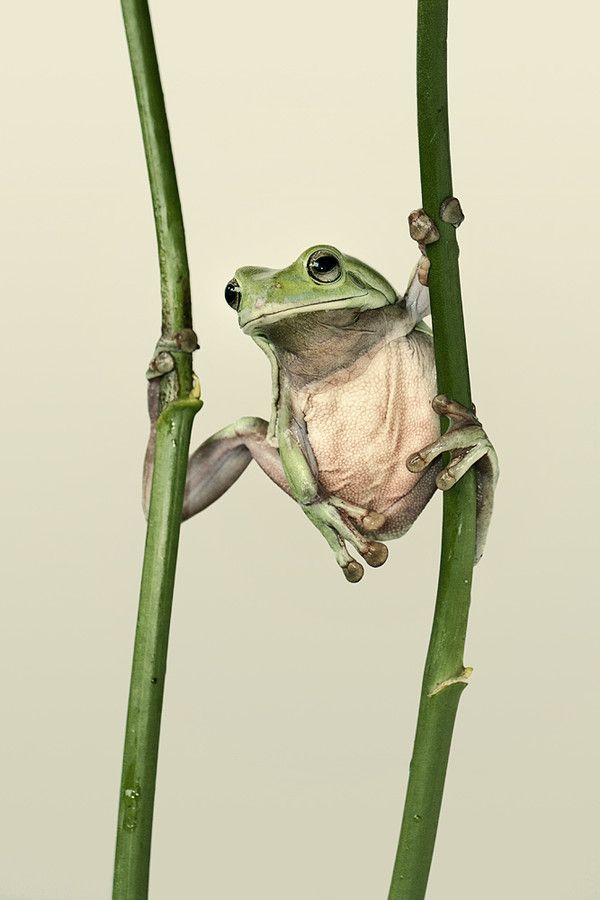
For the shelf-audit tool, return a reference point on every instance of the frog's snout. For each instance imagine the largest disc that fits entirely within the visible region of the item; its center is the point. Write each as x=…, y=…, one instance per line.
x=233, y=293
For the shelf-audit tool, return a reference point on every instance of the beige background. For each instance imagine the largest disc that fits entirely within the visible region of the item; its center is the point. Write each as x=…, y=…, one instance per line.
x=291, y=696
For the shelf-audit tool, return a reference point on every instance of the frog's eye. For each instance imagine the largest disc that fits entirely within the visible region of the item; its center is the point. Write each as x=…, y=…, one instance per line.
x=323, y=266
x=233, y=293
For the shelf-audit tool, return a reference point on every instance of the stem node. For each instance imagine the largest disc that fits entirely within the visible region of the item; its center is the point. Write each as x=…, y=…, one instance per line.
x=463, y=678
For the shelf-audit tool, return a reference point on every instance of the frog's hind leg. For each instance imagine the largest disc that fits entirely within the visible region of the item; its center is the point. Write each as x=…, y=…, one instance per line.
x=221, y=459
x=468, y=445
x=218, y=462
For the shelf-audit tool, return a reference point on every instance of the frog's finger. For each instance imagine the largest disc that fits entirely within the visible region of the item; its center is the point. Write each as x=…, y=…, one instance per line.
x=373, y=521
x=369, y=518
x=423, y=270
x=375, y=553
x=454, y=439
x=353, y=571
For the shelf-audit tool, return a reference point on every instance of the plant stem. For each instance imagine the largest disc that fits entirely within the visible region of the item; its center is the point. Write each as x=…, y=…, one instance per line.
x=140, y=756
x=445, y=676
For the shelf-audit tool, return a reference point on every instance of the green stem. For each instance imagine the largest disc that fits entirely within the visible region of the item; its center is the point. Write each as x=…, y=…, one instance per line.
x=140, y=756
x=444, y=667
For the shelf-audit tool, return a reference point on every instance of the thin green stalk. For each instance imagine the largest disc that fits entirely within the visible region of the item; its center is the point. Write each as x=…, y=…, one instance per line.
x=136, y=801
x=445, y=676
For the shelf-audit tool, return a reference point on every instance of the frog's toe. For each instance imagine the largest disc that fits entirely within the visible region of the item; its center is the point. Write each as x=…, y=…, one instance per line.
x=446, y=479
x=416, y=462
x=462, y=461
x=373, y=521
x=374, y=553
x=353, y=571
x=457, y=439
x=456, y=412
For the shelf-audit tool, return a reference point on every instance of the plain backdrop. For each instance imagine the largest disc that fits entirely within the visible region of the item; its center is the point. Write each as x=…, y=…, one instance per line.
x=291, y=696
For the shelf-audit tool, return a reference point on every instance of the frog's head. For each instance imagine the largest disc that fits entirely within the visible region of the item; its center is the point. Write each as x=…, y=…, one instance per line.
x=321, y=278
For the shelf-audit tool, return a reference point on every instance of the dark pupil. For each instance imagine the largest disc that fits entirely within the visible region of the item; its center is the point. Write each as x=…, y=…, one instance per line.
x=233, y=293
x=323, y=264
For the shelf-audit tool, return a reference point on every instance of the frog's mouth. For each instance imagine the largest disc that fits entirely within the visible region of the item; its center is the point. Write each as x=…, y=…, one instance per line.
x=270, y=318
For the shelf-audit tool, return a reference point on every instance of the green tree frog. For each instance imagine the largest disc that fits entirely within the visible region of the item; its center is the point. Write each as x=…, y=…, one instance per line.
x=354, y=432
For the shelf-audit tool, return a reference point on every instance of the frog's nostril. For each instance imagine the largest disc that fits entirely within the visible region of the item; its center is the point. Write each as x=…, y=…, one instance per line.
x=233, y=293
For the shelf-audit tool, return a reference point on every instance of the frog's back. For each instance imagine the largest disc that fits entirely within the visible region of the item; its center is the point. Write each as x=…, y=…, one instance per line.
x=365, y=420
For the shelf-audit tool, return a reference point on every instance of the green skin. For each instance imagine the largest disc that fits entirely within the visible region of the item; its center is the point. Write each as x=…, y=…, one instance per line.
x=354, y=437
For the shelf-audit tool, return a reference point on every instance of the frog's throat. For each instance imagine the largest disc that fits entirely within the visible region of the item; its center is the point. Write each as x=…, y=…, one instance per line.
x=270, y=318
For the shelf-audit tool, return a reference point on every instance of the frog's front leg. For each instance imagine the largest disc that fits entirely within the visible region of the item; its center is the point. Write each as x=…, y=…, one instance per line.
x=331, y=515
x=468, y=445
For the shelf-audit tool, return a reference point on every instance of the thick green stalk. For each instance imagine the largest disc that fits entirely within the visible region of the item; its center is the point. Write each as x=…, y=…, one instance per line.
x=445, y=677
x=132, y=858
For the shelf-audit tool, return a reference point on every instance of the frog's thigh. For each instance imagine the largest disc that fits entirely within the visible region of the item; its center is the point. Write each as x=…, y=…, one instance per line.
x=221, y=459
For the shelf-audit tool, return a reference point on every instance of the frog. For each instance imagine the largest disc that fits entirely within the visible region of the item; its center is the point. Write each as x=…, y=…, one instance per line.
x=354, y=434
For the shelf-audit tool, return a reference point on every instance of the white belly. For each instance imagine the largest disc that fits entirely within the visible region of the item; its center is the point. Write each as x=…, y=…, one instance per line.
x=364, y=422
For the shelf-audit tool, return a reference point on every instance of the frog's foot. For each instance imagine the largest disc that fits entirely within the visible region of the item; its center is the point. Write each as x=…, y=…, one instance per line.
x=468, y=445
x=162, y=361
x=337, y=531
